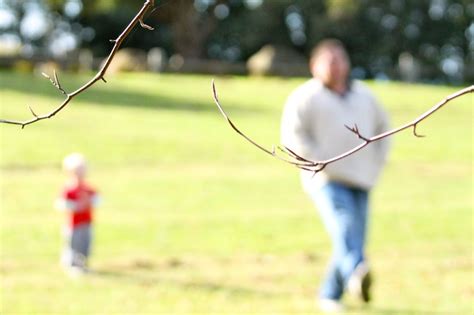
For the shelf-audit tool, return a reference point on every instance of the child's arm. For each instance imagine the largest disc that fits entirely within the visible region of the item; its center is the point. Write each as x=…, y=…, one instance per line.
x=96, y=200
x=63, y=204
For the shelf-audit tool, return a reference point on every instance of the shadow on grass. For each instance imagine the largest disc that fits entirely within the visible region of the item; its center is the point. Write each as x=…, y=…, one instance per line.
x=130, y=98
x=147, y=280
x=115, y=96
x=404, y=311
x=169, y=272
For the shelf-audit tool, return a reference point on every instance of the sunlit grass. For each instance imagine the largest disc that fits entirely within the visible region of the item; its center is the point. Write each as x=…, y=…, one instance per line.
x=196, y=220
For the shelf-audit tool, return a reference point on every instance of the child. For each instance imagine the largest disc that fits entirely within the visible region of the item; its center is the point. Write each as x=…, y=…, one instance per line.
x=77, y=201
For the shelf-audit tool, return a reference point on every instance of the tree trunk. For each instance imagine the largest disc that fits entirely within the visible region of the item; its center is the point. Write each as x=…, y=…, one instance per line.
x=190, y=28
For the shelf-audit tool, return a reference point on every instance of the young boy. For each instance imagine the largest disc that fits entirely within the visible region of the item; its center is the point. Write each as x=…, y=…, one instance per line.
x=77, y=201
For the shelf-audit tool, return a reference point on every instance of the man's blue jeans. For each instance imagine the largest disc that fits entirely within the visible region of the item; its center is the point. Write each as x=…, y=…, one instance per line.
x=343, y=210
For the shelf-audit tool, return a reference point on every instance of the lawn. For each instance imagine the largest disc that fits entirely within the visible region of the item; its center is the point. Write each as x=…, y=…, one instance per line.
x=195, y=220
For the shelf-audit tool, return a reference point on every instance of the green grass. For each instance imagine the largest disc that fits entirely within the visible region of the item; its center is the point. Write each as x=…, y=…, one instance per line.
x=195, y=220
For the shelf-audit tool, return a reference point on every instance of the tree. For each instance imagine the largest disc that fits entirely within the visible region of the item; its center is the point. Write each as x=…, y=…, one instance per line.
x=438, y=34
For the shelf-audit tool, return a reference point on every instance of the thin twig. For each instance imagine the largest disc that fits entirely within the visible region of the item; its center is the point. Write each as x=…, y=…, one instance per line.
x=316, y=166
x=138, y=19
x=55, y=82
x=270, y=152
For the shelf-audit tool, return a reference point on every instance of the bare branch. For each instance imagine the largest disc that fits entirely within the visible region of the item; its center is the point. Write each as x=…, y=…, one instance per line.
x=316, y=166
x=55, y=82
x=295, y=159
x=138, y=19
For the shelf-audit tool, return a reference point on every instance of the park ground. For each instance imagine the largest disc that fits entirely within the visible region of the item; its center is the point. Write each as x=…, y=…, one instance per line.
x=195, y=220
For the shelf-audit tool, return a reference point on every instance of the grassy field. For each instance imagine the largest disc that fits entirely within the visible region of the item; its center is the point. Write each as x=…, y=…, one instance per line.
x=195, y=220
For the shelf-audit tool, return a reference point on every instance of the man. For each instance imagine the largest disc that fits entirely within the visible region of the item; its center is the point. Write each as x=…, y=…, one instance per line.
x=313, y=126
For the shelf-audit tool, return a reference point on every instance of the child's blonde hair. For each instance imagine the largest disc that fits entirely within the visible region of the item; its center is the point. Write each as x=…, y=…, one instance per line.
x=74, y=161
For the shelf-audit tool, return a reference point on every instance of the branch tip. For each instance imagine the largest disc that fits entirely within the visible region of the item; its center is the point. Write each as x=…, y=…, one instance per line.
x=415, y=133
x=144, y=25
x=356, y=131
x=353, y=129
x=58, y=84
x=32, y=112
x=213, y=83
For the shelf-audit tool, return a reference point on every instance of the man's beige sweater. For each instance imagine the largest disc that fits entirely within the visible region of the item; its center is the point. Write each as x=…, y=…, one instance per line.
x=313, y=127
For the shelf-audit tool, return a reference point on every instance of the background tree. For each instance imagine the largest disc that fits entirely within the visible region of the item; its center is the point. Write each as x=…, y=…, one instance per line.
x=437, y=34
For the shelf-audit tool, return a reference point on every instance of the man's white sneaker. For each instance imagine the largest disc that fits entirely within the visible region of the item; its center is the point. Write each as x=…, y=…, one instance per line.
x=360, y=282
x=330, y=306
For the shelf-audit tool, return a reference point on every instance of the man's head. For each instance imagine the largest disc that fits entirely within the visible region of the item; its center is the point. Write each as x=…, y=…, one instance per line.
x=330, y=63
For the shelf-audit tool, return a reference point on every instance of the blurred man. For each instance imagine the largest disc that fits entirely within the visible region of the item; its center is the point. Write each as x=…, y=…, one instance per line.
x=313, y=125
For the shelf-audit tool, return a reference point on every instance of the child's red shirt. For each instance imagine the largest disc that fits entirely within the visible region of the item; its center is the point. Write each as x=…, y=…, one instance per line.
x=79, y=201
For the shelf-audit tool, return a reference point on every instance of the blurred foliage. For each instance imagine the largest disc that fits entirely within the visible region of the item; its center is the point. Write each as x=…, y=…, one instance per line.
x=439, y=34
x=375, y=32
